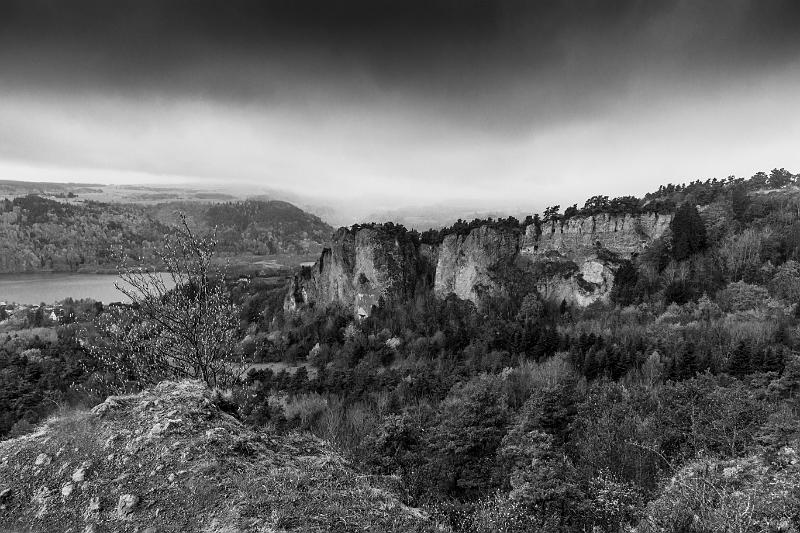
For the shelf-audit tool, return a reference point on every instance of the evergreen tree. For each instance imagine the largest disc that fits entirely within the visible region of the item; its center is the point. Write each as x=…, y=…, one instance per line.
x=471, y=423
x=780, y=178
x=38, y=318
x=758, y=180
x=689, y=362
x=550, y=341
x=740, y=202
x=590, y=366
x=543, y=481
x=299, y=380
x=688, y=232
x=577, y=359
x=773, y=360
x=672, y=371
x=624, y=290
x=739, y=364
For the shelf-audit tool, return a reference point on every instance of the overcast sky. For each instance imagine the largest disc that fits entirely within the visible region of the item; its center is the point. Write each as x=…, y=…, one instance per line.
x=389, y=103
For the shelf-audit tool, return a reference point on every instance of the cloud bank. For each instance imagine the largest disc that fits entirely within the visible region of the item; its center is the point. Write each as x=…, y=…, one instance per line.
x=384, y=102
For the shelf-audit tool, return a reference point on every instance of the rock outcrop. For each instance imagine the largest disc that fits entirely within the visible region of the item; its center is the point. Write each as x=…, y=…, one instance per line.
x=169, y=459
x=359, y=269
x=467, y=264
x=580, y=237
x=589, y=249
x=579, y=284
x=573, y=260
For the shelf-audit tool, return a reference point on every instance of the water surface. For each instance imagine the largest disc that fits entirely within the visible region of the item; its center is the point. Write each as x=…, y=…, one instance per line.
x=51, y=287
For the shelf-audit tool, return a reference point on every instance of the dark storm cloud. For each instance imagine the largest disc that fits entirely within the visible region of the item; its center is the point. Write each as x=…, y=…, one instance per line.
x=400, y=101
x=510, y=57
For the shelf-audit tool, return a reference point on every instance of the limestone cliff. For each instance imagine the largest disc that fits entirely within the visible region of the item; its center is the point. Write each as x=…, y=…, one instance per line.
x=573, y=260
x=359, y=269
x=580, y=284
x=579, y=237
x=467, y=264
x=589, y=248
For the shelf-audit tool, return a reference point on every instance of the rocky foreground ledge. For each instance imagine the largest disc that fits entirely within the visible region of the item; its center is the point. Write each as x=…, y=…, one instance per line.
x=169, y=459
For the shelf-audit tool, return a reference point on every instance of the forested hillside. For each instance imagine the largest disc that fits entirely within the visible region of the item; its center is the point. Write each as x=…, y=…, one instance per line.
x=252, y=226
x=38, y=233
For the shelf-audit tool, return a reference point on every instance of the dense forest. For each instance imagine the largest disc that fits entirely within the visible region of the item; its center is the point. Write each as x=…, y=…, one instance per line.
x=38, y=233
x=672, y=407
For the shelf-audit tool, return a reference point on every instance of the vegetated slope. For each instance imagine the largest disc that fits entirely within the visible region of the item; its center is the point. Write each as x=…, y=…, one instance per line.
x=39, y=233
x=253, y=226
x=169, y=459
x=42, y=234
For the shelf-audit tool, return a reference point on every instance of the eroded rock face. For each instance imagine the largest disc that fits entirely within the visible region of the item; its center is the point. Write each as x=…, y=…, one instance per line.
x=585, y=243
x=589, y=282
x=466, y=264
x=580, y=237
x=359, y=269
x=573, y=261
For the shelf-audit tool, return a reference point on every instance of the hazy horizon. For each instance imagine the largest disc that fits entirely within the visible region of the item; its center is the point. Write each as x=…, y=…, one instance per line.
x=380, y=105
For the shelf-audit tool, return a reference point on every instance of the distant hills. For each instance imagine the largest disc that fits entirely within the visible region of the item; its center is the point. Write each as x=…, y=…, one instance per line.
x=17, y=188
x=336, y=213
x=64, y=232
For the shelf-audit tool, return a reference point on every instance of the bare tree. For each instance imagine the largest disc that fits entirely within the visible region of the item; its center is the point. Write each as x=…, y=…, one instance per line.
x=181, y=322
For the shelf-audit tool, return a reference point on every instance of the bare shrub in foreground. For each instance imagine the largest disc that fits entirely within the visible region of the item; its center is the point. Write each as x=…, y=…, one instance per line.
x=180, y=324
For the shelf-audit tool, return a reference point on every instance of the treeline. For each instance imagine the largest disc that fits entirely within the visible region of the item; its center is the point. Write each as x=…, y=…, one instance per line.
x=665, y=200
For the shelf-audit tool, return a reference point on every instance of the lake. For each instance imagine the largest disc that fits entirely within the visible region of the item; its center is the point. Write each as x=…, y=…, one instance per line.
x=51, y=287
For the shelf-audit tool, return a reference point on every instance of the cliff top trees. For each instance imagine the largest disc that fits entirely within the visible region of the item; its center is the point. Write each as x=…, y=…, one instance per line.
x=551, y=213
x=688, y=232
x=624, y=205
x=595, y=204
x=740, y=202
x=780, y=178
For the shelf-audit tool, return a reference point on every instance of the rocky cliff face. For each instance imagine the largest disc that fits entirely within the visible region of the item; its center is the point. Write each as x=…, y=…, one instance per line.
x=582, y=245
x=359, y=269
x=466, y=265
x=573, y=261
x=579, y=284
x=579, y=237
